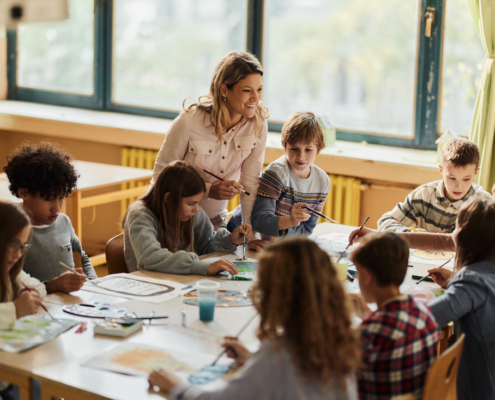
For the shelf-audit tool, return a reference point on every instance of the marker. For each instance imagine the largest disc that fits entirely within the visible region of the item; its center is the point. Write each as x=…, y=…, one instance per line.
x=183, y=312
x=187, y=287
x=236, y=278
x=233, y=187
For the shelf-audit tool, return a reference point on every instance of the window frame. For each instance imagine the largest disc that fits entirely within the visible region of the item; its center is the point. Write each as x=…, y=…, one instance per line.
x=427, y=104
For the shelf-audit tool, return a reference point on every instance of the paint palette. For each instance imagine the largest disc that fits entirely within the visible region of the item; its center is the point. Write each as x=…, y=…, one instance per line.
x=225, y=298
x=96, y=310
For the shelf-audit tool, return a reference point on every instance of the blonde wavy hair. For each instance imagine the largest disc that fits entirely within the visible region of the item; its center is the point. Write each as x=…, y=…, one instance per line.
x=233, y=67
x=303, y=307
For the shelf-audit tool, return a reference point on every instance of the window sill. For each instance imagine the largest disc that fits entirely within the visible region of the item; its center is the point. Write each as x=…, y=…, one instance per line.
x=390, y=164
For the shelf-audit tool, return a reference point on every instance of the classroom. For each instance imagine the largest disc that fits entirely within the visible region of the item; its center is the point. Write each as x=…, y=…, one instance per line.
x=249, y=199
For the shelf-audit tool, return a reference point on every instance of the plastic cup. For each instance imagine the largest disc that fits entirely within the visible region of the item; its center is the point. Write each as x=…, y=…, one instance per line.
x=207, y=298
x=341, y=267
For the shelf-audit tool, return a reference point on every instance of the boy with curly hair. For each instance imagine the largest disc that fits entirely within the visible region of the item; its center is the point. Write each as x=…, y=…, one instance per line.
x=43, y=176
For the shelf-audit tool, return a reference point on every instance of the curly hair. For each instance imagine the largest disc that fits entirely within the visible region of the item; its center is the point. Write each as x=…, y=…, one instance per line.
x=44, y=170
x=303, y=307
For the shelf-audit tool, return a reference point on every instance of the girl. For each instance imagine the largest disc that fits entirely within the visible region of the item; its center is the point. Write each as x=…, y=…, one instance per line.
x=166, y=229
x=469, y=298
x=15, y=301
x=308, y=349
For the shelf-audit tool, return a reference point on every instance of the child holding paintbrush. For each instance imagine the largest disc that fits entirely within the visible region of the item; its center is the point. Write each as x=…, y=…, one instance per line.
x=308, y=347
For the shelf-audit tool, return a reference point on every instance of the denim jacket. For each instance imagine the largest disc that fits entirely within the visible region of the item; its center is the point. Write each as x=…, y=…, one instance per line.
x=469, y=300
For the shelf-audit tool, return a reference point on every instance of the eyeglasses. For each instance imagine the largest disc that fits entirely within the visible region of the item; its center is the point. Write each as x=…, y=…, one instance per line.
x=12, y=247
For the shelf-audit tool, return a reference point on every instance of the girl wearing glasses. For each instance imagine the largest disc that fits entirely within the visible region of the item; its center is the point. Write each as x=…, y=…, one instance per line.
x=15, y=300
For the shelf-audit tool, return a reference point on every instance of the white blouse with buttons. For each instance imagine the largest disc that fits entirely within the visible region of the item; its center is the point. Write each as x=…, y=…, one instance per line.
x=238, y=155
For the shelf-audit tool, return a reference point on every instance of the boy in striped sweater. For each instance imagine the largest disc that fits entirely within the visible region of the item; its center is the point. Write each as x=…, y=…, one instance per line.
x=293, y=182
x=433, y=207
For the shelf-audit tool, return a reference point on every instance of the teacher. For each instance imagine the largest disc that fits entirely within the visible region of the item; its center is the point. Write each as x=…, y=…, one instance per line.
x=225, y=134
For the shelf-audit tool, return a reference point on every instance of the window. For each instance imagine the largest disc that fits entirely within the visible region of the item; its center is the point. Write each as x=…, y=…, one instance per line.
x=368, y=65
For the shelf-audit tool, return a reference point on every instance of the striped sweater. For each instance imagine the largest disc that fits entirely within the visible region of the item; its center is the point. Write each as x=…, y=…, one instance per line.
x=428, y=208
x=280, y=189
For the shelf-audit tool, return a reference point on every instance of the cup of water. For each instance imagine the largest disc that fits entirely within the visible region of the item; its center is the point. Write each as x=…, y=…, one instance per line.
x=207, y=298
x=341, y=267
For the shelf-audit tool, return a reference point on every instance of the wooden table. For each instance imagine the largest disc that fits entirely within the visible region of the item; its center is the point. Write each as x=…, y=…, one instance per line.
x=95, y=176
x=58, y=363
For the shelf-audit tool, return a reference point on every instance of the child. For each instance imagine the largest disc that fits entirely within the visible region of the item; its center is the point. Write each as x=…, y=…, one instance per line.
x=308, y=348
x=166, y=229
x=399, y=339
x=469, y=298
x=42, y=176
x=293, y=182
x=433, y=207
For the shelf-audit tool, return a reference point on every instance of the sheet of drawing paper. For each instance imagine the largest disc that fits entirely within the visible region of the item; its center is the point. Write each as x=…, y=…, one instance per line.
x=135, y=287
x=436, y=258
x=335, y=243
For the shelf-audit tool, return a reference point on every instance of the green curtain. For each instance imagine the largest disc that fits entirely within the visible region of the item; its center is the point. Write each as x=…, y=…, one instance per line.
x=483, y=125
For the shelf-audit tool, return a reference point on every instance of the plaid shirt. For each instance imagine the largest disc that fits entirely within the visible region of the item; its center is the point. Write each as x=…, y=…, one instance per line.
x=399, y=343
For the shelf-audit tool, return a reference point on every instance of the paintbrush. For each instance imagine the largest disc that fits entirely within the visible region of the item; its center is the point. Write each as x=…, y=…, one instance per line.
x=71, y=270
x=41, y=304
x=237, y=337
x=321, y=215
x=233, y=187
x=244, y=242
x=427, y=276
x=350, y=243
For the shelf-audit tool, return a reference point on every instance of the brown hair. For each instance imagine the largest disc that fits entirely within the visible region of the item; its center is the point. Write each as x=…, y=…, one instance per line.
x=12, y=221
x=386, y=255
x=475, y=233
x=233, y=67
x=303, y=127
x=461, y=152
x=180, y=180
x=303, y=306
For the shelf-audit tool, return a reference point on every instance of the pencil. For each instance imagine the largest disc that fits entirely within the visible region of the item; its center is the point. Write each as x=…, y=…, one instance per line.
x=41, y=304
x=320, y=214
x=429, y=275
x=233, y=187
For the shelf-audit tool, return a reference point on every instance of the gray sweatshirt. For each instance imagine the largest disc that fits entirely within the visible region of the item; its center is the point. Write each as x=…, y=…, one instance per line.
x=143, y=250
x=51, y=245
x=268, y=375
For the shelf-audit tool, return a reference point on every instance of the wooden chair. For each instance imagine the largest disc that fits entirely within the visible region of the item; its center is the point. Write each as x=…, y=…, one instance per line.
x=114, y=252
x=441, y=378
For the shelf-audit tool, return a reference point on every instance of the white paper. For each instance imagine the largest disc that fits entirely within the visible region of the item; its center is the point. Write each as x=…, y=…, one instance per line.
x=436, y=258
x=135, y=287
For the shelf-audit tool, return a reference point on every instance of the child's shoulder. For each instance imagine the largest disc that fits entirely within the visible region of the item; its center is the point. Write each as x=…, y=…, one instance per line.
x=479, y=192
x=319, y=174
x=425, y=191
x=138, y=210
x=279, y=168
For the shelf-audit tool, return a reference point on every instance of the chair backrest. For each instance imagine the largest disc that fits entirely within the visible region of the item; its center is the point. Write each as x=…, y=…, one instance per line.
x=114, y=252
x=441, y=378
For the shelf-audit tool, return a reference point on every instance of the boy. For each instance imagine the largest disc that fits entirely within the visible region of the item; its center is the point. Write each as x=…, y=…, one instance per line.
x=399, y=339
x=433, y=207
x=42, y=176
x=293, y=182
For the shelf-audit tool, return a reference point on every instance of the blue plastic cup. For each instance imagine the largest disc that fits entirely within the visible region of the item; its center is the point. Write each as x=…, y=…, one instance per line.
x=207, y=298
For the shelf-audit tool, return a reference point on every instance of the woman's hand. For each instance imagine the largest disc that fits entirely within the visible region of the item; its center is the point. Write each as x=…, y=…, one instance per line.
x=236, y=350
x=355, y=234
x=441, y=276
x=27, y=303
x=361, y=309
x=258, y=245
x=237, y=235
x=163, y=379
x=222, y=265
x=222, y=191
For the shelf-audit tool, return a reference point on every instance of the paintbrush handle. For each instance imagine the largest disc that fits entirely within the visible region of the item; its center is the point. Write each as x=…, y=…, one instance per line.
x=233, y=187
x=429, y=275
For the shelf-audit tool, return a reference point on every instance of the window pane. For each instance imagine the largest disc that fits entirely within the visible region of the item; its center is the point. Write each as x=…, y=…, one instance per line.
x=165, y=51
x=463, y=62
x=353, y=59
x=58, y=56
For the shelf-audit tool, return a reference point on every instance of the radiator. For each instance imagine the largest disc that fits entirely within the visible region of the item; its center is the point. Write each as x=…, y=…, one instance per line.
x=342, y=204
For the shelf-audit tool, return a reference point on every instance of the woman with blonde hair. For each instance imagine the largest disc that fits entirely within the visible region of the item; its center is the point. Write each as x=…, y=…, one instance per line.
x=225, y=134
x=308, y=348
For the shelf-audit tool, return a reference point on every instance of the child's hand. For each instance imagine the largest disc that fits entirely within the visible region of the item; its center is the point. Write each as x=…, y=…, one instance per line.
x=237, y=235
x=258, y=245
x=222, y=191
x=27, y=303
x=441, y=276
x=222, y=265
x=355, y=234
x=236, y=350
x=67, y=282
x=163, y=379
x=299, y=214
x=361, y=309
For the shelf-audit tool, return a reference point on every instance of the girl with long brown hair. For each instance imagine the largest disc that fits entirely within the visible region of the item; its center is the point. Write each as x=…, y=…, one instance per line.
x=469, y=298
x=166, y=230
x=224, y=132
x=308, y=348
x=15, y=301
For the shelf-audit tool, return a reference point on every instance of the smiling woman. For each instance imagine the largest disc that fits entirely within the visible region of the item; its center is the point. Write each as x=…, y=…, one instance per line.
x=223, y=133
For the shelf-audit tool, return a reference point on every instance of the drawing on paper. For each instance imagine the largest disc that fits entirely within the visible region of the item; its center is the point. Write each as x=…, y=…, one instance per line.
x=335, y=244
x=225, y=298
x=433, y=255
x=209, y=373
x=131, y=286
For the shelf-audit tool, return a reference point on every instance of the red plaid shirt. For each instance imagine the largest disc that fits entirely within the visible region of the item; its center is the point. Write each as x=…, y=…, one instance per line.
x=399, y=342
